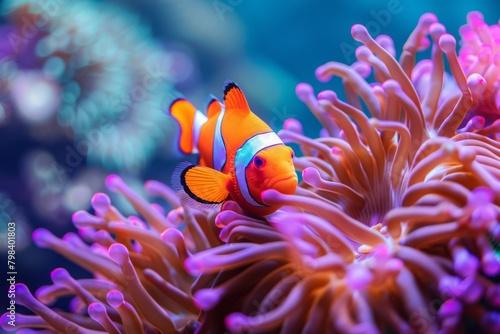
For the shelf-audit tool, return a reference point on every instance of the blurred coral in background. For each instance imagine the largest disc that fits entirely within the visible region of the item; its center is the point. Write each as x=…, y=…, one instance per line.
x=82, y=90
x=86, y=82
x=393, y=228
x=93, y=68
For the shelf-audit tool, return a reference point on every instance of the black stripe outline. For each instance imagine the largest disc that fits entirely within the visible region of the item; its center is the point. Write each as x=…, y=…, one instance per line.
x=228, y=85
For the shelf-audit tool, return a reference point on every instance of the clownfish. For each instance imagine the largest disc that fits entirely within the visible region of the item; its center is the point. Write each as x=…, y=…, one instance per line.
x=240, y=156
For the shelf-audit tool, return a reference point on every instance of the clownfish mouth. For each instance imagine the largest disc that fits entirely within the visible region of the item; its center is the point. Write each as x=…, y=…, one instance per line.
x=285, y=183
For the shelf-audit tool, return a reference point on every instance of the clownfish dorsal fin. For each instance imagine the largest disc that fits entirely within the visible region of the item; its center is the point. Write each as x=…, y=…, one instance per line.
x=234, y=99
x=199, y=186
x=213, y=106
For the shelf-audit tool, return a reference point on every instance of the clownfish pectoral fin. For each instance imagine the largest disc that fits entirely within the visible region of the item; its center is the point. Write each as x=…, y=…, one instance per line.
x=190, y=121
x=199, y=186
x=213, y=106
x=234, y=99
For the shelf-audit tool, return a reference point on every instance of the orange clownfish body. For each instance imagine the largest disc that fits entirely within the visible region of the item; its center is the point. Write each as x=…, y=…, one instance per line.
x=240, y=155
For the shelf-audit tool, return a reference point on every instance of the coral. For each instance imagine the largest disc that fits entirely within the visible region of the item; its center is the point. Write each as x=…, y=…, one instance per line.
x=389, y=230
x=112, y=76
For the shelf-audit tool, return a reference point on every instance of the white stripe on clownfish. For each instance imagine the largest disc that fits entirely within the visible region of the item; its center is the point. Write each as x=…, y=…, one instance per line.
x=219, y=152
x=199, y=120
x=245, y=155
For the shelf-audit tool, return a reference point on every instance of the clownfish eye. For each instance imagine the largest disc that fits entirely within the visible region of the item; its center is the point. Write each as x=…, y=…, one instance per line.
x=259, y=162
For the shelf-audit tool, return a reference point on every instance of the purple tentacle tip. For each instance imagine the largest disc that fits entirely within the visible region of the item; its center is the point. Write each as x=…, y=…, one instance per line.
x=60, y=276
x=294, y=125
x=171, y=234
x=206, y=299
x=450, y=313
x=102, y=237
x=84, y=219
x=119, y=253
x=176, y=216
x=151, y=186
x=101, y=203
x=428, y=18
x=447, y=43
x=304, y=91
x=490, y=264
x=322, y=74
x=465, y=263
x=114, y=182
x=481, y=195
x=97, y=311
x=115, y=298
x=391, y=86
x=360, y=33
x=23, y=294
x=311, y=176
x=224, y=218
x=362, y=68
x=78, y=217
x=328, y=95
x=363, y=52
x=271, y=196
x=42, y=237
x=87, y=234
x=235, y=321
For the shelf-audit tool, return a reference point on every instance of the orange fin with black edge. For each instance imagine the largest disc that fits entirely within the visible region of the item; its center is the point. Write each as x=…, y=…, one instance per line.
x=234, y=99
x=213, y=106
x=190, y=121
x=199, y=186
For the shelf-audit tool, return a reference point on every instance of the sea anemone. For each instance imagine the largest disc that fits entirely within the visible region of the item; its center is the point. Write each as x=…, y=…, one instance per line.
x=479, y=57
x=139, y=284
x=389, y=231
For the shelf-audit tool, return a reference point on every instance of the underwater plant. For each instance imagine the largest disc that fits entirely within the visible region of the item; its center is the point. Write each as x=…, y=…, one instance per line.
x=391, y=230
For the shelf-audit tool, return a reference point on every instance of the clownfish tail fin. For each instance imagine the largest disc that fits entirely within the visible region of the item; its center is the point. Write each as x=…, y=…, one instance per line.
x=190, y=121
x=198, y=186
